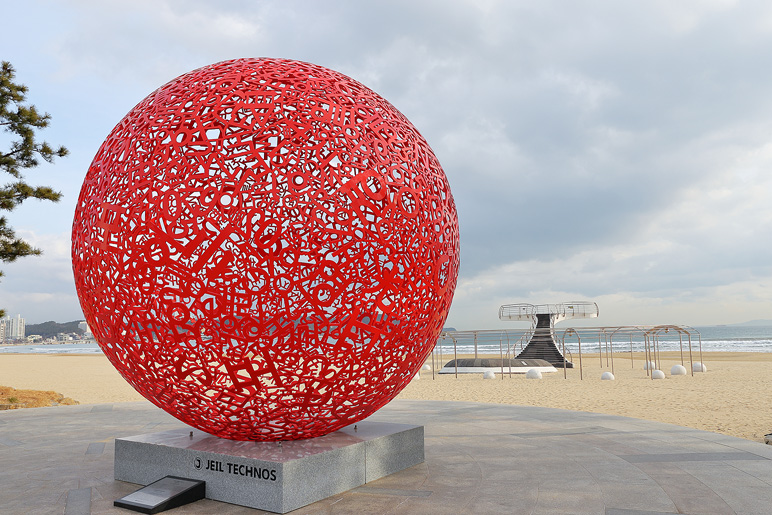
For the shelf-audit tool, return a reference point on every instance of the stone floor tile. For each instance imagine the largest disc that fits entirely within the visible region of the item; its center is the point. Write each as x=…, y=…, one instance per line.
x=479, y=459
x=642, y=496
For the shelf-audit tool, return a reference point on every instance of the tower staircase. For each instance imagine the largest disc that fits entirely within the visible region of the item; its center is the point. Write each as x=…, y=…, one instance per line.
x=543, y=318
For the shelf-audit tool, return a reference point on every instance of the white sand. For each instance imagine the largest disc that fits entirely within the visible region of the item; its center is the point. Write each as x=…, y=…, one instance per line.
x=733, y=397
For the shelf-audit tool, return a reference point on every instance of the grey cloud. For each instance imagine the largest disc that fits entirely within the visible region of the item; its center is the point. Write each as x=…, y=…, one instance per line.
x=567, y=129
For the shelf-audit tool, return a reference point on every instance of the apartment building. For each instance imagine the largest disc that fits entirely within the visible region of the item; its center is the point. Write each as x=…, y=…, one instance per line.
x=11, y=328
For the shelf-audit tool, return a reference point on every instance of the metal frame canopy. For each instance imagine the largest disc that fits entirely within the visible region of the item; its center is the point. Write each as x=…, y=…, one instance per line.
x=608, y=340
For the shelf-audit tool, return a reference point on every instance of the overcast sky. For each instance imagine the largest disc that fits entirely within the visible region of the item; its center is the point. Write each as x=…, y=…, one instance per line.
x=617, y=152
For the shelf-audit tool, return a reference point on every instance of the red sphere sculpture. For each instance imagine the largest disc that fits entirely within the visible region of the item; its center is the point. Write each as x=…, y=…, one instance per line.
x=266, y=249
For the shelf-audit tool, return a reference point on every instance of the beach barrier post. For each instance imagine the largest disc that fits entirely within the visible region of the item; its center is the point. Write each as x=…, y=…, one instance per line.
x=509, y=356
x=650, y=358
x=658, y=353
x=579, y=341
x=433, y=365
x=700, y=339
x=441, y=360
x=455, y=355
x=610, y=340
x=501, y=353
x=565, y=374
x=600, y=351
x=653, y=355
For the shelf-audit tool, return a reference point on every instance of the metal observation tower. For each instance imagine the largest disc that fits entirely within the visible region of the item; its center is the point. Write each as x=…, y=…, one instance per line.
x=543, y=318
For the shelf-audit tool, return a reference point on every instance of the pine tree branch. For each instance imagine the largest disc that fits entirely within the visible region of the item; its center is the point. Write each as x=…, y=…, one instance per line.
x=22, y=154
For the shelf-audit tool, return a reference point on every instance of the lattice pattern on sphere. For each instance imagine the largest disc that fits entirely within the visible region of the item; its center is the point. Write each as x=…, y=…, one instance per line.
x=266, y=249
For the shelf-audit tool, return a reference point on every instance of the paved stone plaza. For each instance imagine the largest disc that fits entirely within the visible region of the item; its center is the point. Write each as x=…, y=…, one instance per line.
x=480, y=458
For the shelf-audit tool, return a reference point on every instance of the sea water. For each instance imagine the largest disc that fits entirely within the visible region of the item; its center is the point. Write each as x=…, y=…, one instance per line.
x=52, y=348
x=712, y=339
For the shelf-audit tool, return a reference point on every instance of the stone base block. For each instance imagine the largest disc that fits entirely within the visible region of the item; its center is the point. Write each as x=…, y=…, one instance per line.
x=272, y=476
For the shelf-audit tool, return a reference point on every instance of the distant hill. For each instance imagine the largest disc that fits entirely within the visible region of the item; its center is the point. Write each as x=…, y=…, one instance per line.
x=754, y=323
x=49, y=329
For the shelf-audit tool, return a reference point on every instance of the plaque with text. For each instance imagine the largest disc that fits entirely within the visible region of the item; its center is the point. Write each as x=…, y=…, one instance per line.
x=165, y=494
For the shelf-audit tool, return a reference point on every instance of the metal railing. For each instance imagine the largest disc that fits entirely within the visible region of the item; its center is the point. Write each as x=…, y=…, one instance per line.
x=562, y=311
x=609, y=339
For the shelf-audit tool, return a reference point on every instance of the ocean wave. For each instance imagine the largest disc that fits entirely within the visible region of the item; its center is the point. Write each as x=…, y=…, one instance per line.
x=729, y=345
x=63, y=348
x=725, y=344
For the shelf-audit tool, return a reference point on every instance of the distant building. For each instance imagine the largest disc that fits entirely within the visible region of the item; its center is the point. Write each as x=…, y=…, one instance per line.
x=12, y=328
x=85, y=328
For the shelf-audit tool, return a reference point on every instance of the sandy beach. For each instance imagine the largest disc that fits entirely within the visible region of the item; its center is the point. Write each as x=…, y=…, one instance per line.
x=732, y=397
x=89, y=379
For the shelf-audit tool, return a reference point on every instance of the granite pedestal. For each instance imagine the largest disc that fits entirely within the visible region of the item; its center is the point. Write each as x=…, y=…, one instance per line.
x=272, y=476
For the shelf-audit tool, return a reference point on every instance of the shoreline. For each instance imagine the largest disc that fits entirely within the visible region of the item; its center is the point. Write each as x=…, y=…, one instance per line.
x=730, y=398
